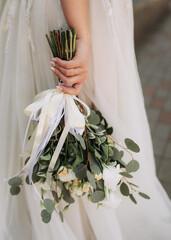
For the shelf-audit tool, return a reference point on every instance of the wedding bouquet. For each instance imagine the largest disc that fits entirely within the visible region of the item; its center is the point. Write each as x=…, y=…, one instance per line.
x=68, y=149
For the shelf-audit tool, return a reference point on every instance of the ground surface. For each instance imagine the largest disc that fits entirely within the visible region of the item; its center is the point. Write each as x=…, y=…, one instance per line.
x=154, y=63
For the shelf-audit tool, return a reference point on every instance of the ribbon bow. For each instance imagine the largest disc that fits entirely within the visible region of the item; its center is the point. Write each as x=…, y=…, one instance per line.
x=48, y=109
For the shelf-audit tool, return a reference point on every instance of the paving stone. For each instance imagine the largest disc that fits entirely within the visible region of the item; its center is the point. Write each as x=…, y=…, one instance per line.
x=153, y=114
x=157, y=102
x=167, y=187
x=162, y=131
x=164, y=171
x=167, y=153
x=158, y=145
x=166, y=117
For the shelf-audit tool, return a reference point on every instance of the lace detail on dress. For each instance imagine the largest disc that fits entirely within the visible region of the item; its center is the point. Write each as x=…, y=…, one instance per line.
x=29, y=5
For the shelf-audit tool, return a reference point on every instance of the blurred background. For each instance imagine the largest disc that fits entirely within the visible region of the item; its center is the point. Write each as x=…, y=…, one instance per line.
x=152, y=20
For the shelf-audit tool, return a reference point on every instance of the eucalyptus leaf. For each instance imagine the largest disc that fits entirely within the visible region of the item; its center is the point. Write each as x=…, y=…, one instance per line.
x=97, y=196
x=46, y=216
x=94, y=165
x=15, y=181
x=82, y=142
x=105, y=149
x=14, y=190
x=81, y=171
x=67, y=196
x=91, y=179
x=144, y=195
x=61, y=216
x=49, y=205
x=132, y=166
x=131, y=145
x=132, y=198
x=46, y=157
x=124, y=189
x=93, y=118
x=100, y=184
x=109, y=130
x=77, y=161
x=125, y=174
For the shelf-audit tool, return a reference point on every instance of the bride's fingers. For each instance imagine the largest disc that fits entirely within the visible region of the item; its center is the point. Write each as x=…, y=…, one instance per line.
x=70, y=72
x=75, y=62
x=75, y=90
x=69, y=80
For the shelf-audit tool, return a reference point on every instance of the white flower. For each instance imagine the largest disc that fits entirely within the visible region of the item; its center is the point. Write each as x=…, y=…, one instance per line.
x=86, y=187
x=78, y=191
x=98, y=176
x=66, y=175
x=111, y=176
x=113, y=200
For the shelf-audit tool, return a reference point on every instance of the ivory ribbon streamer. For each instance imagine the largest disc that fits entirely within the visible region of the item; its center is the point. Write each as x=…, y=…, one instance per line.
x=48, y=109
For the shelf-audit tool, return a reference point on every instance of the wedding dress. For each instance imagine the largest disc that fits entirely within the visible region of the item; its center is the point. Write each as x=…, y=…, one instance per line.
x=113, y=86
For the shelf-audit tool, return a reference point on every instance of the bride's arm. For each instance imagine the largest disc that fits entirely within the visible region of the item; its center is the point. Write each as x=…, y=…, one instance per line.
x=76, y=15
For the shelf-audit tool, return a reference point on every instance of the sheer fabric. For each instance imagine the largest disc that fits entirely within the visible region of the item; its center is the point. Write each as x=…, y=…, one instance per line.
x=113, y=86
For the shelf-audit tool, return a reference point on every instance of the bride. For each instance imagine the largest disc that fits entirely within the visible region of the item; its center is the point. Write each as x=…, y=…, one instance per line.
x=105, y=62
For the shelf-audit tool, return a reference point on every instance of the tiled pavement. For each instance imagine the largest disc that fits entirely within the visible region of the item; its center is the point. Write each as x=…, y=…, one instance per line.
x=154, y=63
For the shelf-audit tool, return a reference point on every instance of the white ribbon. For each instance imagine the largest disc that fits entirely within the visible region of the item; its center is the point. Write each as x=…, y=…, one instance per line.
x=48, y=109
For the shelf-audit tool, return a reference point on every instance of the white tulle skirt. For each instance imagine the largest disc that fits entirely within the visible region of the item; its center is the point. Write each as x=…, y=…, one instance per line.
x=113, y=86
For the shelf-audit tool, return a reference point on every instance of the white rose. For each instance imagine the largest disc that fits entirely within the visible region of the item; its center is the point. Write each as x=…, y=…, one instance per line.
x=98, y=176
x=113, y=200
x=111, y=176
x=77, y=191
x=66, y=175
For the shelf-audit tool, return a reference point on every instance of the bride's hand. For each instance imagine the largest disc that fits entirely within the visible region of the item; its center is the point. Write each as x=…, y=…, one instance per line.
x=74, y=71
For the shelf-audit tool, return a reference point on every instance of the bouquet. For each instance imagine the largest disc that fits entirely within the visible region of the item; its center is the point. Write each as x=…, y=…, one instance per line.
x=69, y=151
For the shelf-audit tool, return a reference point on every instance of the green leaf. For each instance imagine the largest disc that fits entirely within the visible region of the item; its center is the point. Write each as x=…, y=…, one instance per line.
x=49, y=205
x=97, y=154
x=132, y=166
x=110, y=151
x=67, y=196
x=15, y=181
x=109, y=130
x=102, y=139
x=97, y=196
x=124, y=189
x=77, y=161
x=100, y=184
x=61, y=216
x=82, y=142
x=132, y=198
x=46, y=157
x=46, y=216
x=125, y=174
x=105, y=149
x=144, y=195
x=65, y=208
x=117, y=155
x=14, y=190
x=93, y=118
x=134, y=185
x=131, y=145
x=91, y=179
x=94, y=165
x=81, y=171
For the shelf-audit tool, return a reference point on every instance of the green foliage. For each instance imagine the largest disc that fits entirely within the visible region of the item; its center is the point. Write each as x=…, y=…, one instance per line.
x=15, y=190
x=132, y=145
x=15, y=181
x=46, y=216
x=49, y=205
x=81, y=171
x=144, y=195
x=132, y=198
x=91, y=179
x=132, y=166
x=97, y=196
x=124, y=189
